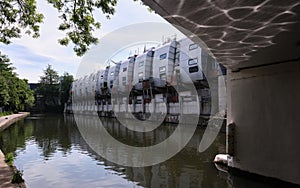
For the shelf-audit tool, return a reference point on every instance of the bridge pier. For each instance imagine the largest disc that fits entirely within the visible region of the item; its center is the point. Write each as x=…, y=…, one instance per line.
x=264, y=107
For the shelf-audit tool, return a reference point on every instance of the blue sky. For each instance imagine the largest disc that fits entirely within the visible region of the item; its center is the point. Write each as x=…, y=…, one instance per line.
x=30, y=56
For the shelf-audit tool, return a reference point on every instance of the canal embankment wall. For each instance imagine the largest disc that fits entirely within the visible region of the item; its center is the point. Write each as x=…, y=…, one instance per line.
x=6, y=172
x=8, y=120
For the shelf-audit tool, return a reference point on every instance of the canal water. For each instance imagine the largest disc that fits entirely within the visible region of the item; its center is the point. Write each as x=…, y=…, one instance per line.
x=51, y=152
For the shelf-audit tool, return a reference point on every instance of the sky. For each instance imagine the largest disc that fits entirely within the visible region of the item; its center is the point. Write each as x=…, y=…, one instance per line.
x=31, y=56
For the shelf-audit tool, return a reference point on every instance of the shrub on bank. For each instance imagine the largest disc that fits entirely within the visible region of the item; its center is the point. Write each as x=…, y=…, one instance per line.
x=9, y=159
x=5, y=113
x=17, y=174
x=17, y=177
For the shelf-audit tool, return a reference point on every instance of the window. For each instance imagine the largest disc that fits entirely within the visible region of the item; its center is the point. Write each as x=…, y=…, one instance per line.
x=193, y=69
x=141, y=63
x=163, y=56
x=124, y=81
x=111, y=83
x=193, y=61
x=193, y=46
x=163, y=76
x=141, y=75
x=124, y=69
x=162, y=69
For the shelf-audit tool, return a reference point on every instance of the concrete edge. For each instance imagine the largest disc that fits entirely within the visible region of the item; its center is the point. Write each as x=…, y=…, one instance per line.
x=221, y=162
x=7, y=174
x=6, y=121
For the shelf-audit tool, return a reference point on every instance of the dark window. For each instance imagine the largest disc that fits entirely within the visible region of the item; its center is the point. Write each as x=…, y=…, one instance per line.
x=194, y=69
x=124, y=69
x=193, y=46
x=141, y=63
x=163, y=56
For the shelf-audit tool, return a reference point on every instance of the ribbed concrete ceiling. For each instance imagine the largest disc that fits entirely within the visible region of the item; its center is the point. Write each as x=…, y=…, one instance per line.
x=239, y=33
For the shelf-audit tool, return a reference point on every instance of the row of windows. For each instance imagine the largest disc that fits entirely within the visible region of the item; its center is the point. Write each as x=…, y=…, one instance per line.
x=164, y=56
x=162, y=70
x=162, y=75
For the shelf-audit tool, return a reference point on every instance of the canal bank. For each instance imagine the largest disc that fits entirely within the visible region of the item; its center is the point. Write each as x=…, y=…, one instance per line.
x=6, y=172
x=6, y=121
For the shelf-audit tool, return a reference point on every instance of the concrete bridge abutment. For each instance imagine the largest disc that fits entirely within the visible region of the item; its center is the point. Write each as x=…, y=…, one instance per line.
x=264, y=107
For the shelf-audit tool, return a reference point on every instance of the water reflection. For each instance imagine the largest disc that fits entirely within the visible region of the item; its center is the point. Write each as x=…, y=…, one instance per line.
x=52, y=153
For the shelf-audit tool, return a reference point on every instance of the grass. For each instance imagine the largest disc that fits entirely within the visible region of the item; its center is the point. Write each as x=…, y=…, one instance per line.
x=5, y=113
x=9, y=159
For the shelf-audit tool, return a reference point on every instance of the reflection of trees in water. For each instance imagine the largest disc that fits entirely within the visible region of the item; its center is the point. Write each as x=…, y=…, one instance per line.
x=188, y=168
x=52, y=134
x=14, y=136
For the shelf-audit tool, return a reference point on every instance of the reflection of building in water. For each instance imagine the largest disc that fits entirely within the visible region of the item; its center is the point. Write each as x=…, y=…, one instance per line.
x=157, y=80
x=186, y=169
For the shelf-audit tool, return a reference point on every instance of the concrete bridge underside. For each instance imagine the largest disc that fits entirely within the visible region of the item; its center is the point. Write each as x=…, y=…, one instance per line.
x=259, y=42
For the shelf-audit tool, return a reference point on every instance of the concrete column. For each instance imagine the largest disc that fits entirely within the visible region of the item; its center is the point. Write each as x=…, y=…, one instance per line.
x=264, y=106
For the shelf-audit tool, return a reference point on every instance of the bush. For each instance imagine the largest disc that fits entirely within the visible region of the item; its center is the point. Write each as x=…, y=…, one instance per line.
x=5, y=113
x=9, y=159
x=17, y=177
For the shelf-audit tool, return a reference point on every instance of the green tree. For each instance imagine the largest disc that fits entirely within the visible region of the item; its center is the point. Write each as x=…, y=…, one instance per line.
x=15, y=94
x=65, y=85
x=50, y=76
x=25, y=94
x=5, y=71
x=49, y=86
x=4, y=95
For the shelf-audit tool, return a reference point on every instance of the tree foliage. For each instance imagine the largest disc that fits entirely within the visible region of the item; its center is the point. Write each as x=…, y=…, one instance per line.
x=50, y=76
x=54, y=89
x=48, y=87
x=65, y=86
x=15, y=93
x=77, y=20
x=16, y=15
